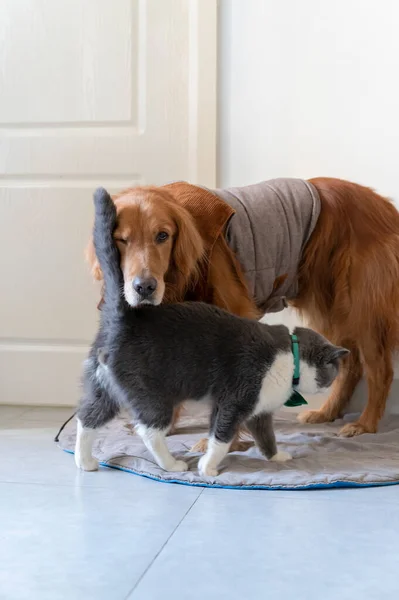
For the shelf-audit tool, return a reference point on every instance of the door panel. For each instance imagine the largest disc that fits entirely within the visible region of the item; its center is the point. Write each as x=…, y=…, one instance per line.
x=92, y=93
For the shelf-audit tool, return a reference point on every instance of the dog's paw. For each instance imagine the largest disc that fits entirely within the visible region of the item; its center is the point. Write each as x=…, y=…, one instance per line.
x=312, y=416
x=353, y=429
x=205, y=470
x=200, y=446
x=87, y=464
x=179, y=466
x=281, y=456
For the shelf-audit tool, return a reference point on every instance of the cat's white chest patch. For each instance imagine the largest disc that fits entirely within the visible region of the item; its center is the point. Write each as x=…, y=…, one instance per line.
x=276, y=385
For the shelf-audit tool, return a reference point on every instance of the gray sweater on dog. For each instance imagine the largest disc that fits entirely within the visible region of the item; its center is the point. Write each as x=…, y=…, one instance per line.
x=273, y=220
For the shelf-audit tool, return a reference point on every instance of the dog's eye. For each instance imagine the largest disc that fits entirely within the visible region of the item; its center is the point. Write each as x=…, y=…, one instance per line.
x=162, y=237
x=121, y=241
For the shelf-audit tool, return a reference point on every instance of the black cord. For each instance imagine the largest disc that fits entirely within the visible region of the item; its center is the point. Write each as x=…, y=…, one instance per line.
x=57, y=437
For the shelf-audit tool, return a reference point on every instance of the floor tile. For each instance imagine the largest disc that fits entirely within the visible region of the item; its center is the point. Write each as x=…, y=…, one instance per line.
x=382, y=495
x=82, y=543
x=65, y=534
x=281, y=545
x=31, y=456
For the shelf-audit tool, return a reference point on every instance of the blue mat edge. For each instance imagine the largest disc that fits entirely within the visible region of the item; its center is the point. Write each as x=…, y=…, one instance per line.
x=271, y=488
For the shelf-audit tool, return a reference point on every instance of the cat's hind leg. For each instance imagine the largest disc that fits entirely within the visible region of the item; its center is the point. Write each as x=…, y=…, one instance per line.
x=155, y=440
x=261, y=427
x=85, y=437
x=209, y=462
x=96, y=409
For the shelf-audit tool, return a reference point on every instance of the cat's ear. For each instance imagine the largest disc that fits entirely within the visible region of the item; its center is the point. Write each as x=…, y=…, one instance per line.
x=335, y=353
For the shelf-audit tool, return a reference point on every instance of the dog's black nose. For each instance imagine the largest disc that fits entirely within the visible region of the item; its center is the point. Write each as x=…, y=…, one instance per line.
x=145, y=287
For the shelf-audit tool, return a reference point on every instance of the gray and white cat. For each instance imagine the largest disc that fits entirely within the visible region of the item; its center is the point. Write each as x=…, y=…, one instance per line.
x=150, y=359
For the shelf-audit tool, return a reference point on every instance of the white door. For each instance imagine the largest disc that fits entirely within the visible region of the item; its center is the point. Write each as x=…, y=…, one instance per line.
x=92, y=92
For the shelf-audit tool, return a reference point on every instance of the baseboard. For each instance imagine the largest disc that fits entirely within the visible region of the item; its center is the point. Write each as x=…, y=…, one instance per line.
x=41, y=376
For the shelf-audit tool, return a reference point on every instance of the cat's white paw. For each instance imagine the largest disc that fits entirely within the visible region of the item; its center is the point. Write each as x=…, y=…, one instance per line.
x=86, y=464
x=281, y=456
x=205, y=470
x=178, y=466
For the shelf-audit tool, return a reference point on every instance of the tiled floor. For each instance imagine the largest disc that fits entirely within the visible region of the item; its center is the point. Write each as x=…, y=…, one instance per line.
x=110, y=535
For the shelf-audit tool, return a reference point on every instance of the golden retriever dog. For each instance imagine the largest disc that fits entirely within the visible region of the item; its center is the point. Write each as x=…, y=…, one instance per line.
x=173, y=248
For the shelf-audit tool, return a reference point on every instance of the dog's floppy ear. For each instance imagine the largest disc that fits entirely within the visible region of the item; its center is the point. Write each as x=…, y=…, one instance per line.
x=100, y=196
x=278, y=282
x=90, y=252
x=91, y=258
x=188, y=245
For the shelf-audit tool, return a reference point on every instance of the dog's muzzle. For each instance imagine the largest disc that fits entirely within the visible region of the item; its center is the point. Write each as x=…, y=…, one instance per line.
x=145, y=288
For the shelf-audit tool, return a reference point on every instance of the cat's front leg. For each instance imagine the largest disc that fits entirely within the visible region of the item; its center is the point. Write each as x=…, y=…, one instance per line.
x=281, y=456
x=261, y=427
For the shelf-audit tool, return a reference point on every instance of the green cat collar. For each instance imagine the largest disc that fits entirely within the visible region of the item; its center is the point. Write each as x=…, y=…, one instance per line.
x=295, y=399
x=295, y=352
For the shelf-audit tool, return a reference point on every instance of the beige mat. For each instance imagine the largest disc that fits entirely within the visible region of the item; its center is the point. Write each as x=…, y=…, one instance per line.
x=320, y=458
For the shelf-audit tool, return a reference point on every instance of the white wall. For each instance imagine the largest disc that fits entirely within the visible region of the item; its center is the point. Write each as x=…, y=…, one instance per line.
x=309, y=88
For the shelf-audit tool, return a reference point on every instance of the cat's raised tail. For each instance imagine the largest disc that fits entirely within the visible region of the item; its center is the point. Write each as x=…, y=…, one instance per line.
x=107, y=252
